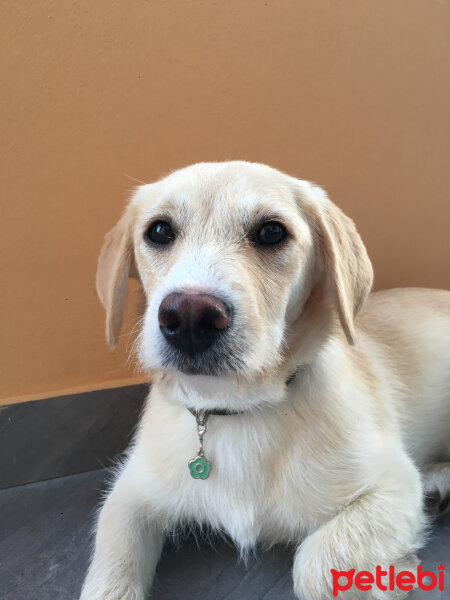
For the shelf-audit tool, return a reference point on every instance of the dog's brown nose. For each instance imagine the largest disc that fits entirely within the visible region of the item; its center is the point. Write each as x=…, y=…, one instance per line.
x=192, y=322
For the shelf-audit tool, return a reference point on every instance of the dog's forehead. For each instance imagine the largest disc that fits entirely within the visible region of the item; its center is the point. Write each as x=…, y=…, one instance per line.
x=236, y=190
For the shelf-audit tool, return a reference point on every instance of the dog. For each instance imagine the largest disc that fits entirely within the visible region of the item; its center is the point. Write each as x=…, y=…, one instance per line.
x=288, y=403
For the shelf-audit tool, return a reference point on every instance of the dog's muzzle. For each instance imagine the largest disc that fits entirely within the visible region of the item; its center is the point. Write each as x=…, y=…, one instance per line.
x=193, y=322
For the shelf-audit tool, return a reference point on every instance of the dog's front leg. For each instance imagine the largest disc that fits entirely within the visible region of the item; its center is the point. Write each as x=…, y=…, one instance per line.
x=127, y=545
x=381, y=527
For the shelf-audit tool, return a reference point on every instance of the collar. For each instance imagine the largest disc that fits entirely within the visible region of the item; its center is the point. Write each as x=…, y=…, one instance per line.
x=223, y=412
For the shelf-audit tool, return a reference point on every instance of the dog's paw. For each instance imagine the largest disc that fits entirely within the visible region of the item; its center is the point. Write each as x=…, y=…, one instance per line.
x=111, y=590
x=111, y=594
x=314, y=580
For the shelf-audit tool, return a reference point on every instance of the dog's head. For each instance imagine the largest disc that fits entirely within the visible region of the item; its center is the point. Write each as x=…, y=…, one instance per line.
x=241, y=266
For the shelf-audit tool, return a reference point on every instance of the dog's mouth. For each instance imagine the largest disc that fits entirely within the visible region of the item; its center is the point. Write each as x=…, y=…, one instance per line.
x=217, y=360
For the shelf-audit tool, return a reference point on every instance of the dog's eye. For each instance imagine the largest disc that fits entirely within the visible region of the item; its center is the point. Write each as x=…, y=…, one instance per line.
x=270, y=233
x=160, y=232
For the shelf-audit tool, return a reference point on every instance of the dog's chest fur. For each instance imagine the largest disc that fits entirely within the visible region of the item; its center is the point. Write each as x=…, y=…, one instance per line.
x=269, y=472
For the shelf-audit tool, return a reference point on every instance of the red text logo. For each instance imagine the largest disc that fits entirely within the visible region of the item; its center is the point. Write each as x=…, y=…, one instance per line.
x=388, y=580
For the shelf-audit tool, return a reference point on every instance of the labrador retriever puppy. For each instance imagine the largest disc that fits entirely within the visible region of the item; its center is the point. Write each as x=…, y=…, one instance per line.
x=288, y=404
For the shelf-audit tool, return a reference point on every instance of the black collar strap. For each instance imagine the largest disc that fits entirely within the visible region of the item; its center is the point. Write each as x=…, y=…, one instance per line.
x=218, y=412
x=223, y=412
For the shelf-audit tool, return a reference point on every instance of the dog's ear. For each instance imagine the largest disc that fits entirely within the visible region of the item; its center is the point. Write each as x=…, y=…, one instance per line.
x=115, y=264
x=342, y=256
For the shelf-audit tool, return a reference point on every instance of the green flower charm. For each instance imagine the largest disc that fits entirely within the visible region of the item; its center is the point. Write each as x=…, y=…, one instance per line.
x=199, y=467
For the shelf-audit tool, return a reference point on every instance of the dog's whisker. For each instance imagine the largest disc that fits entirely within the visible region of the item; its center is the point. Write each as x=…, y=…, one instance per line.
x=135, y=179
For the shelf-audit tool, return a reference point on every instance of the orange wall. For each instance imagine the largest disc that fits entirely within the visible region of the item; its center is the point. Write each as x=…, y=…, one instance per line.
x=352, y=94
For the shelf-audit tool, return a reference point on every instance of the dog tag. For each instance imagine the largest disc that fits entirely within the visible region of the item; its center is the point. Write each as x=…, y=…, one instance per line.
x=199, y=467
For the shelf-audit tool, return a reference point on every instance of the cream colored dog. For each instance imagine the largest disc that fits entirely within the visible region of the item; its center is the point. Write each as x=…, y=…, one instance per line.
x=326, y=407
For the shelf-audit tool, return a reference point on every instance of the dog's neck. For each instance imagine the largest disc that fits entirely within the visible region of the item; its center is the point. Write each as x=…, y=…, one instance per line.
x=199, y=465
x=222, y=412
x=220, y=396
x=226, y=395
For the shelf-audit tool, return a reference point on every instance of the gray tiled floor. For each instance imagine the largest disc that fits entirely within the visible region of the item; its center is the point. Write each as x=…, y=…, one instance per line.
x=45, y=537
